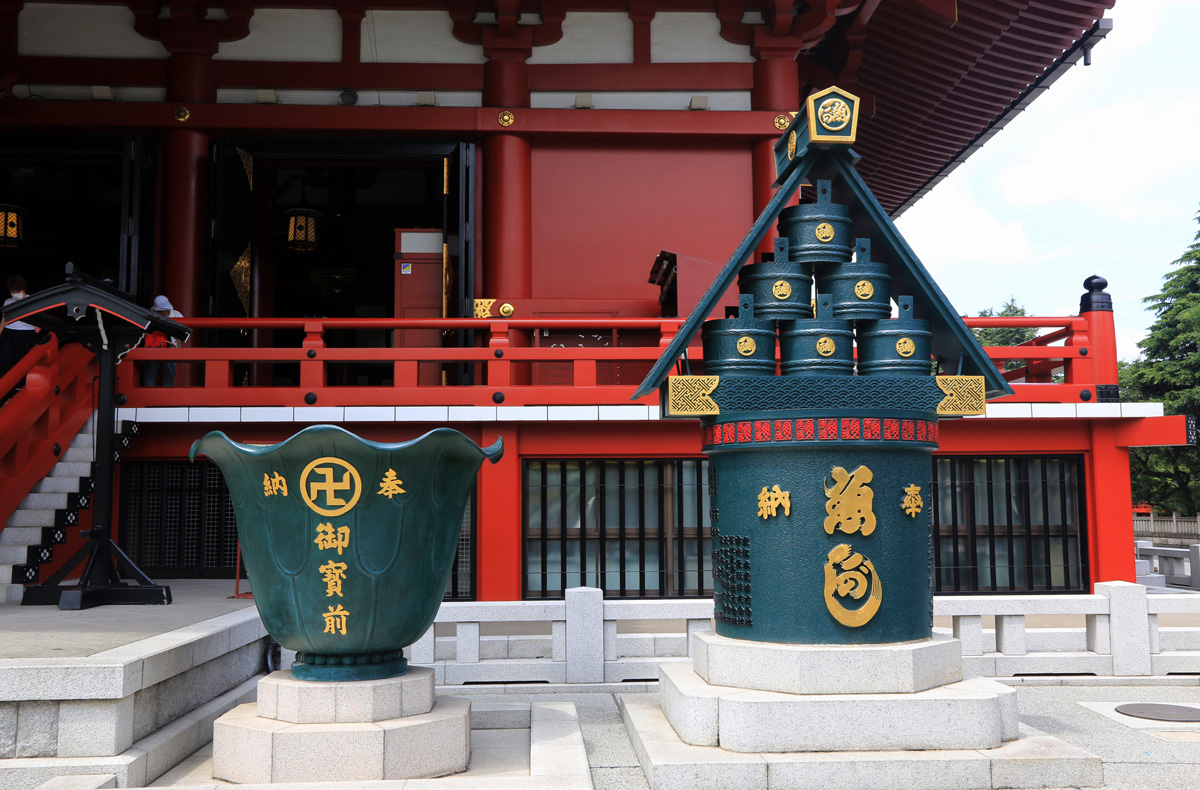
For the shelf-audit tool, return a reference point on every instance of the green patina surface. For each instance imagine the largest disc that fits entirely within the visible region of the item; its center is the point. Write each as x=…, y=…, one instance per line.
x=348, y=543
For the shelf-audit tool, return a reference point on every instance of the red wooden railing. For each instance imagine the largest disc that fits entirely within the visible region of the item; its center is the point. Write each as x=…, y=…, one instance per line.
x=528, y=362
x=46, y=413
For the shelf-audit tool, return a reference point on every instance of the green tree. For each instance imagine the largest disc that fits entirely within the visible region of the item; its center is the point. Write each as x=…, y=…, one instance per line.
x=1005, y=335
x=1169, y=371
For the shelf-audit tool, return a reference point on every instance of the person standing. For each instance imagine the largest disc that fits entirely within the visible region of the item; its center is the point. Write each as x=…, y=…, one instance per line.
x=150, y=370
x=17, y=338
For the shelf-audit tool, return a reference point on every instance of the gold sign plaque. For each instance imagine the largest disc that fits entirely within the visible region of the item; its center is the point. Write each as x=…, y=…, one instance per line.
x=689, y=395
x=746, y=345
x=905, y=347
x=781, y=289
x=964, y=394
x=826, y=346
x=824, y=232
x=863, y=289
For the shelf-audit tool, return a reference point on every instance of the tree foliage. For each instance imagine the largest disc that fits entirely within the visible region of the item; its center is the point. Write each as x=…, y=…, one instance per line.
x=1169, y=371
x=1005, y=335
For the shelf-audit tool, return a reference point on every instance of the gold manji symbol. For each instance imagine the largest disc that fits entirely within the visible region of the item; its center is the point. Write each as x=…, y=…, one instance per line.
x=792, y=145
x=181, y=114
x=824, y=232
x=781, y=122
x=834, y=114
x=905, y=347
x=826, y=346
x=330, y=494
x=746, y=345
x=863, y=289
x=781, y=289
x=506, y=118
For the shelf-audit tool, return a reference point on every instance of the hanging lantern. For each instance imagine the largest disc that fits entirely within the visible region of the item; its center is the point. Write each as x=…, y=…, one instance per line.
x=302, y=230
x=12, y=226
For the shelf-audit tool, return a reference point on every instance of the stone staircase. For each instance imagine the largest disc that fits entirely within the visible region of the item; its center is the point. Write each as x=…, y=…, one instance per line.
x=43, y=518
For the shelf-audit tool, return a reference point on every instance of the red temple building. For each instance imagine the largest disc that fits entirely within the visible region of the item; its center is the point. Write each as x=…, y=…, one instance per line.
x=493, y=215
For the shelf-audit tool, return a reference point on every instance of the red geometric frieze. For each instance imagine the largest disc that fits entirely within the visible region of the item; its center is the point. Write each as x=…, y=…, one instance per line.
x=827, y=429
x=891, y=429
x=783, y=430
x=744, y=432
x=728, y=436
x=850, y=429
x=907, y=430
x=921, y=425
x=804, y=430
x=932, y=433
x=762, y=430
x=870, y=428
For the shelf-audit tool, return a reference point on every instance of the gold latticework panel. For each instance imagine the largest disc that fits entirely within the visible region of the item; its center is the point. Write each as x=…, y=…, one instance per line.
x=689, y=395
x=964, y=395
x=248, y=163
x=483, y=308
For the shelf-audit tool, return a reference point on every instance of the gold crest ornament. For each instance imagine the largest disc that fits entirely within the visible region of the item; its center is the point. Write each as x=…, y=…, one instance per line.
x=863, y=289
x=506, y=118
x=781, y=289
x=834, y=114
x=792, y=145
x=781, y=122
x=824, y=232
x=826, y=346
x=746, y=345
x=905, y=347
x=964, y=395
x=856, y=575
x=506, y=310
x=181, y=114
x=483, y=308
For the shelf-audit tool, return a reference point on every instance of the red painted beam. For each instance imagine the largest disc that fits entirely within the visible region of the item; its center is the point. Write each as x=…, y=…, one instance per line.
x=1152, y=432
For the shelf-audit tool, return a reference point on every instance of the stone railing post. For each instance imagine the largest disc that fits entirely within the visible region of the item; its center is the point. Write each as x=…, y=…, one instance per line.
x=422, y=650
x=585, y=635
x=1194, y=565
x=1129, y=627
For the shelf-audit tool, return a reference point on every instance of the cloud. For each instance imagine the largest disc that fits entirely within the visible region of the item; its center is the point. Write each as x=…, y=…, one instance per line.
x=950, y=229
x=1127, y=340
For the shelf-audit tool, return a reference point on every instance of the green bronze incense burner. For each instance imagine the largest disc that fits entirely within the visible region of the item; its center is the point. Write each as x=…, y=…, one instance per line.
x=348, y=543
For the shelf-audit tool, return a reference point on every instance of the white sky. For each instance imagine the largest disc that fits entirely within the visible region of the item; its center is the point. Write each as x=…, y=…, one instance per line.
x=1100, y=175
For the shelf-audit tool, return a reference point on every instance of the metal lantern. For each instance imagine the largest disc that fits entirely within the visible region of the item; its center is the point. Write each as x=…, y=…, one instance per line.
x=12, y=226
x=302, y=230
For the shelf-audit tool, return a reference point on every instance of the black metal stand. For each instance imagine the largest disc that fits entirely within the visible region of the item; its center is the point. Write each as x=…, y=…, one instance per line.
x=100, y=582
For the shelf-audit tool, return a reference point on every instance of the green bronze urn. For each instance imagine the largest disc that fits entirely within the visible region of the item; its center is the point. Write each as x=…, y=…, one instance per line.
x=348, y=543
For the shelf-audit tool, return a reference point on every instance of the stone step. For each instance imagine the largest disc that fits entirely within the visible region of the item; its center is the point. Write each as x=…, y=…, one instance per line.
x=12, y=555
x=970, y=714
x=5, y=574
x=84, y=439
x=12, y=593
x=75, y=469
x=20, y=536
x=54, y=485
x=38, y=501
x=31, y=517
x=77, y=455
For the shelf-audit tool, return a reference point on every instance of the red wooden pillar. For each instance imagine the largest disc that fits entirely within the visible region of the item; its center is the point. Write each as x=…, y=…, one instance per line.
x=1110, y=507
x=498, y=555
x=185, y=193
x=776, y=88
x=507, y=189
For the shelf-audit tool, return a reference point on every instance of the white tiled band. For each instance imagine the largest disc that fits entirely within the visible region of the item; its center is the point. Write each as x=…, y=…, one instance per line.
x=435, y=414
x=624, y=412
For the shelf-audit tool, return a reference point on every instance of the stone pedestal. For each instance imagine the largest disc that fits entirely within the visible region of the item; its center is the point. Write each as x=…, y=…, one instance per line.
x=764, y=715
x=305, y=731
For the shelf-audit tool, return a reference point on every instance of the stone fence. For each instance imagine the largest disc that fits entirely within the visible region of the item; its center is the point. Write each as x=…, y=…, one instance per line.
x=579, y=639
x=1159, y=566
x=1175, y=530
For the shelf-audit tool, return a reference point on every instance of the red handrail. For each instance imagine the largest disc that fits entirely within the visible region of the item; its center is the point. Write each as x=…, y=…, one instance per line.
x=46, y=413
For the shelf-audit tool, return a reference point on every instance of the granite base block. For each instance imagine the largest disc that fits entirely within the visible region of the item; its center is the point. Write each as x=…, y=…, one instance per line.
x=896, y=668
x=284, y=698
x=251, y=749
x=1035, y=760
